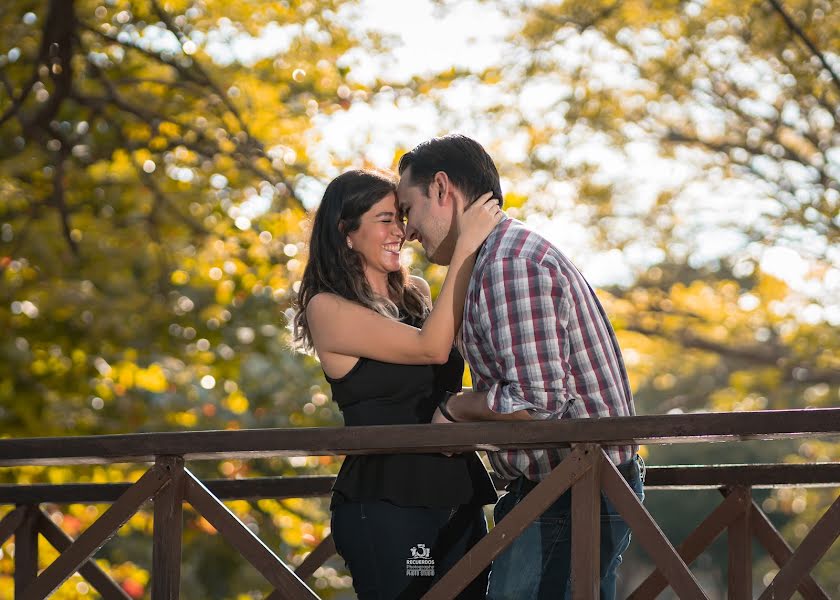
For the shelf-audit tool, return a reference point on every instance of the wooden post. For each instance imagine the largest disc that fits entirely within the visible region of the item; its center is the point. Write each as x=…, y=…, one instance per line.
x=168, y=528
x=26, y=551
x=740, y=549
x=586, y=529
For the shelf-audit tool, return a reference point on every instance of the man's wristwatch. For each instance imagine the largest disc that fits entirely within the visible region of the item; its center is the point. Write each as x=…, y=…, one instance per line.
x=444, y=410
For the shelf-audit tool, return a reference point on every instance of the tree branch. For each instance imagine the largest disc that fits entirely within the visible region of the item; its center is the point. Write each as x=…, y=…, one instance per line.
x=580, y=25
x=759, y=354
x=17, y=103
x=58, y=199
x=57, y=54
x=762, y=355
x=797, y=31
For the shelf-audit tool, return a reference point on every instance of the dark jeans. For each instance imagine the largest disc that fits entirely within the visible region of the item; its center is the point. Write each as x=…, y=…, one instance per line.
x=538, y=563
x=399, y=552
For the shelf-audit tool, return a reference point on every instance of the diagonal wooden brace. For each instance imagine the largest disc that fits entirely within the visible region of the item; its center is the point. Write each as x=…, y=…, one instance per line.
x=647, y=532
x=243, y=539
x=95, y=536
x=10, y=523
x=508, y=529
x=310, y=564
x=806, y=556
x=694, y=544
x=99, y=579
x=776, y=546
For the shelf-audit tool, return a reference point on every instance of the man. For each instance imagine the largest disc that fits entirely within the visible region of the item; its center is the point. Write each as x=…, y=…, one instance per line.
x=539, y=346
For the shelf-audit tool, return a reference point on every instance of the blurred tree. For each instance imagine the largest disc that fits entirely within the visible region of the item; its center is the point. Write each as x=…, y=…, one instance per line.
x=150, y=238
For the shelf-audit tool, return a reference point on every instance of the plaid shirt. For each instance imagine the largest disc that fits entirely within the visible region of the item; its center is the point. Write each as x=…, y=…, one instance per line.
x=537, y=338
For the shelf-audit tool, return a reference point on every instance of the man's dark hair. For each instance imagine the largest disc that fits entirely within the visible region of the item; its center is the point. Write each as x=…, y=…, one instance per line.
x=464, y=161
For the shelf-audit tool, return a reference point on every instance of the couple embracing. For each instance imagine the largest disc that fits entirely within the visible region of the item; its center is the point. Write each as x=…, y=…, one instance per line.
x=537, y=341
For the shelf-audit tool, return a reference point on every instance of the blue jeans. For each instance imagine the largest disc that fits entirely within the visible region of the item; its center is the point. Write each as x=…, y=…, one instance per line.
x=538, y=563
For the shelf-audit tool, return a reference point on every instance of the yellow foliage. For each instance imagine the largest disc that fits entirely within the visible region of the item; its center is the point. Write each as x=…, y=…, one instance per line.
x=152, y=379
x=169, y=129
x=292, y=536
x=125, y=372
x=770, y=288
x=179, y=277
x=236, y=402
x=184, y=419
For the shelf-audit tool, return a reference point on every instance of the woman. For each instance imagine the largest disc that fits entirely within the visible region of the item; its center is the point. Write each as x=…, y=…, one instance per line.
x=399, y=521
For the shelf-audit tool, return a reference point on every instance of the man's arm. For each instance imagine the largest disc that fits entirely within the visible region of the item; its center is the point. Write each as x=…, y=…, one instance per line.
x=525, y=312
x=472, y=406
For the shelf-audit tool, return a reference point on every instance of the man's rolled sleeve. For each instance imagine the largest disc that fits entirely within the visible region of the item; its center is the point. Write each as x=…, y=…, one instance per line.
x=525, y=312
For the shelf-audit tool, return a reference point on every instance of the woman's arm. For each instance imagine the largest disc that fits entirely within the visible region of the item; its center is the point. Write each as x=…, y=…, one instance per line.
x=343, y=327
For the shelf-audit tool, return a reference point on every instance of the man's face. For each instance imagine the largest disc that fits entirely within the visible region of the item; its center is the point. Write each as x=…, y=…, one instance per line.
x=428, y=218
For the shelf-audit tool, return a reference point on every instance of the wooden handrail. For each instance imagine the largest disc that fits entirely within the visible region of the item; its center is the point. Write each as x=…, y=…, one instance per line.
x=460, y=437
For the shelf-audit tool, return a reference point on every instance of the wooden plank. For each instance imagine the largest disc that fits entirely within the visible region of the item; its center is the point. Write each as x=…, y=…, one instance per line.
x=740, y=550
x=316, y=558
x=657, y=478
x=808, y=554
x=508, y=529
x=253, y=488
x=11, y=522
x=694, y=544
x=26, y=551
x=244, y=540
x=168, y=530
x=95, y=536
x=758, y=476
x=99, y=579
x=322, y=552
x=648, y=534
x=390, y=439
x=780, y=551
x=586, y=532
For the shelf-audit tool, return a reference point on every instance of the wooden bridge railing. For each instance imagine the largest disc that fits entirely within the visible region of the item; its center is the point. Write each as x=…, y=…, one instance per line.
x=586, y=470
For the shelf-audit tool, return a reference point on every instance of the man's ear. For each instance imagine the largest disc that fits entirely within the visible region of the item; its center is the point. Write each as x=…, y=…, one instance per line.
x=445, y=193
x=440, y=188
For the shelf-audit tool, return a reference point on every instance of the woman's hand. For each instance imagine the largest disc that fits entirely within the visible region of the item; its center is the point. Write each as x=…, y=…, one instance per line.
x=477, y=221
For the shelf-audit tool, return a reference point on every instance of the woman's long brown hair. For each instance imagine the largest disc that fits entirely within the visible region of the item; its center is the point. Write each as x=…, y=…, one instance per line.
x=335, y=268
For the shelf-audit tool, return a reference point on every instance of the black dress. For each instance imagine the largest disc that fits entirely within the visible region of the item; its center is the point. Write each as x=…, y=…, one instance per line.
x=389, y=510
x=380, y=393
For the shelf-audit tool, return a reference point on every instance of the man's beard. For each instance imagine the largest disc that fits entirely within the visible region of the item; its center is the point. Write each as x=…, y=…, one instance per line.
x=442, y=255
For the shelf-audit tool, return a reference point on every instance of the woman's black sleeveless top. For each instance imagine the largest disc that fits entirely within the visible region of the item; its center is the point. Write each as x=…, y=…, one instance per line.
x=380, y=393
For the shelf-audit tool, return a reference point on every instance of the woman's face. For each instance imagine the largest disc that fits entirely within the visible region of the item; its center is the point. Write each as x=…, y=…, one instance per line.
x=380, y=236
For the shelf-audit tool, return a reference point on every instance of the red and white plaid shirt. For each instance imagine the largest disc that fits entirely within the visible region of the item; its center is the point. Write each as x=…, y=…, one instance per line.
x=537, y=338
